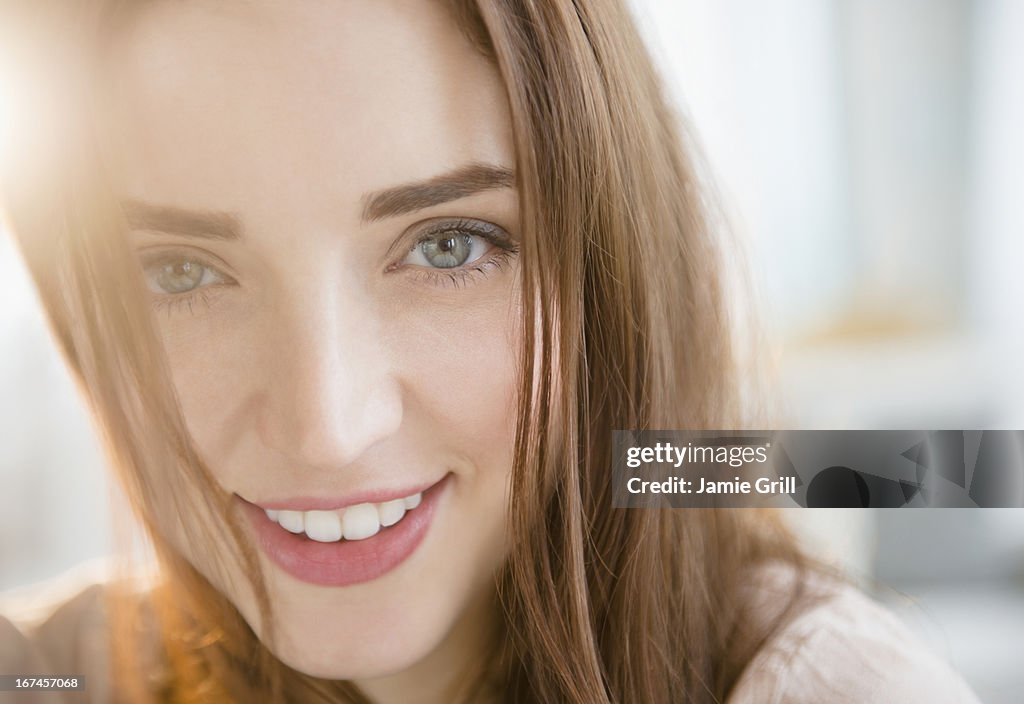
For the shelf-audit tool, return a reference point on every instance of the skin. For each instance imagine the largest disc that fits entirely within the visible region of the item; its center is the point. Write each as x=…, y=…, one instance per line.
x=322, y=358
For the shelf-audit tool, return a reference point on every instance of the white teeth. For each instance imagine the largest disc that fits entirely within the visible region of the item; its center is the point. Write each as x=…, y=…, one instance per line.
x=323, y=526
x=291, y=521
x=391, y=512
x=356, y=522
x=360, y=521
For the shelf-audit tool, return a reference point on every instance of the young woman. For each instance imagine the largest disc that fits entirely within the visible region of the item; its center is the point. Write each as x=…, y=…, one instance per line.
x=359, y=292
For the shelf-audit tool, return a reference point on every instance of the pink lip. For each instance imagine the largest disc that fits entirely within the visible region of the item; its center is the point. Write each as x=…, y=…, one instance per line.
x=345, y=562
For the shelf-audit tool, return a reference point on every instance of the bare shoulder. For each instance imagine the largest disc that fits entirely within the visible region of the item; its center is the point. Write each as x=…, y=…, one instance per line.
x=62, y=626
x=844, y=647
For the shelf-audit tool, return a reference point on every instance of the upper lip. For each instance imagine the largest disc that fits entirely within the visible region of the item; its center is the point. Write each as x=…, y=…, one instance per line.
x=330, y=503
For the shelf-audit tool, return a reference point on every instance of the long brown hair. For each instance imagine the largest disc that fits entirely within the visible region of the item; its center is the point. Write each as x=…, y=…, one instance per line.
x=626, y=325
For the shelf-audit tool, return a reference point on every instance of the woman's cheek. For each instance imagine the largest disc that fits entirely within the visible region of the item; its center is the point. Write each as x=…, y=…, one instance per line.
x=458, y=365
x=215, y=366
x=453, y=355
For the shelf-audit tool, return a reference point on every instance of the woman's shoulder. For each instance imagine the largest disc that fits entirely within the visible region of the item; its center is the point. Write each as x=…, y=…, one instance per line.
x=62, y=626
x=844, y=647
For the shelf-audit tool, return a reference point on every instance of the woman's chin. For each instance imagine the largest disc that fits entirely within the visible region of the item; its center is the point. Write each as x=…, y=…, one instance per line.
x=364, y=657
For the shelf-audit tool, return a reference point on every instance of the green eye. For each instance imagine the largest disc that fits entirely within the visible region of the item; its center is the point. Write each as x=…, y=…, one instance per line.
x=180, y=277
x=447, y=250
x=175, y=275
x=454, y=251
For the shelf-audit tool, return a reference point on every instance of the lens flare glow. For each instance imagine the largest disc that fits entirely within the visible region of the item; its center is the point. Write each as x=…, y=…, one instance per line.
x=17, y=128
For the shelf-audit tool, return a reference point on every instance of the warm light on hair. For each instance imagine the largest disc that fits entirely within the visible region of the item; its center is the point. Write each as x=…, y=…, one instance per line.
x=598, y=605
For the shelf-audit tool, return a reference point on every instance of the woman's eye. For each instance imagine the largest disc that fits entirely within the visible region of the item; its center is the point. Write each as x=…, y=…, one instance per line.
x=456, y=252
x=448, y=249
x=178, y=275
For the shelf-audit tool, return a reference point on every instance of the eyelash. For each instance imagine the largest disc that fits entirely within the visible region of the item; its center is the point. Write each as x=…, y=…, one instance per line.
x=503, y=252
x=185, y=302
x=464, y=276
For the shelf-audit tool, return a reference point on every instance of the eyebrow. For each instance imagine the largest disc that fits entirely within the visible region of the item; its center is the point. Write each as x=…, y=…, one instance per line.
x=460, y=183
x=399, y=200
x=207, y=224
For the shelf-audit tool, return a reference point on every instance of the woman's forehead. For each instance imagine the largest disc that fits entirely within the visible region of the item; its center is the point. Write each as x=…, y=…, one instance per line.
x=286, y=107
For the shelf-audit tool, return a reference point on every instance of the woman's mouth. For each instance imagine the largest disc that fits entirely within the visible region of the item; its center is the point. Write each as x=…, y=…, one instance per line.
x=357, y=522
x=342, y=546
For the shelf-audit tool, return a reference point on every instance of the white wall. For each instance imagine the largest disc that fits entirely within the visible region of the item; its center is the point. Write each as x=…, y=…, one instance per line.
x=54, y=504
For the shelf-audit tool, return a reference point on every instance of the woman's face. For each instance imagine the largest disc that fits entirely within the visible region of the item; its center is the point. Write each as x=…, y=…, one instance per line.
x=321, y=198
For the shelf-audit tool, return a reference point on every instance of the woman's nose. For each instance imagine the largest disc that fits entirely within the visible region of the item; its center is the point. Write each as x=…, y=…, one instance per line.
x=331, y=389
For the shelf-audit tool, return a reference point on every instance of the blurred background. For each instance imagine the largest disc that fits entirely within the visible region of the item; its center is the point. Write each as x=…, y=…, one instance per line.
x=870, y=153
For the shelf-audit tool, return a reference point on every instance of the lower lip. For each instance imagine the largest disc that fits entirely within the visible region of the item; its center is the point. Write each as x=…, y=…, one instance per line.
x=345, y=562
